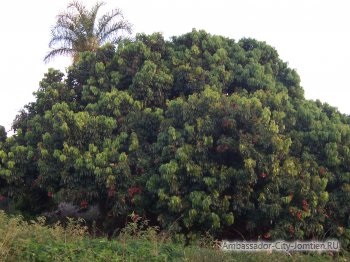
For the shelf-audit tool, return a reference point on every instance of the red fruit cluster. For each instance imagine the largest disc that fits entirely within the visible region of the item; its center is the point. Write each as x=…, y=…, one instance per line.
x=299, y=215
x=133, y=191
x=267, y=235
x=263, y=175
x=305, y=205
x=84, y=204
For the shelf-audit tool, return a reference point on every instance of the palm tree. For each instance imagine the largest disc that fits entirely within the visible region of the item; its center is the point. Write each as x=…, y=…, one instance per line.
x=77, y=30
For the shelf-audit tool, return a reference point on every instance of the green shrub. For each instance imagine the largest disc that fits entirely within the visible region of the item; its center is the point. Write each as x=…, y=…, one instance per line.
x=35, y=241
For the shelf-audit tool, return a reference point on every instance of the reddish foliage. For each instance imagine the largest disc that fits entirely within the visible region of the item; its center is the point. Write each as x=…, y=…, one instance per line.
x=2, y=198
x=291, y=195
x=291, y=212
x=111, y=192
x=134, y=217
x=227, y=123
x=50, y=194
x=140, y=170
x=322, y=170
x=305, y=205
x=133, y=191
x=222, y=148
x=120, y=120
x=291, y=230
x=84, y=204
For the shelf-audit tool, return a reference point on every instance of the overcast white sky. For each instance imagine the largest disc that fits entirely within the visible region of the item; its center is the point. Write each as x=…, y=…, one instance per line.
x=313, y=36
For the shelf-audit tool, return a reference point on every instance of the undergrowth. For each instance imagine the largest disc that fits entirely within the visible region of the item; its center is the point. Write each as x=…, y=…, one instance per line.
x=34, y=240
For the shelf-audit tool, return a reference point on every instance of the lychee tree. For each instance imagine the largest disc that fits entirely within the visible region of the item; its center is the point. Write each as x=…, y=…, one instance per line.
x=195, y=133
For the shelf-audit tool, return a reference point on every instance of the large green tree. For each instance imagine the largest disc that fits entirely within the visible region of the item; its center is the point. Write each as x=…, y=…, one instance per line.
x=78, y=30
x=199, y=133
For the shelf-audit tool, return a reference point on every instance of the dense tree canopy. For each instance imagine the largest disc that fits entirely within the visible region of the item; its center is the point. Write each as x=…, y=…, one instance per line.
x=196, y=133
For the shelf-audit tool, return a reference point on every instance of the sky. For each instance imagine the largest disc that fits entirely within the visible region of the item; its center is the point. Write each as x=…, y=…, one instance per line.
x=313, y=36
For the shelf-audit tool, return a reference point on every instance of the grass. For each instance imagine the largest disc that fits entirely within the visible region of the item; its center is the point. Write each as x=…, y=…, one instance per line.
x=35, y=241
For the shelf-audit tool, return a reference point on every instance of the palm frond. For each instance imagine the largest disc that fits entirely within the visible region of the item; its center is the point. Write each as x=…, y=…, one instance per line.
x=90, y=20
x=94, y=11
x=58, y=51
x=65, y=40
x=78, y=7
x=67, y=23
x=111, y=33
x=68, y=17
x=81, y=17
x=106, y=19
